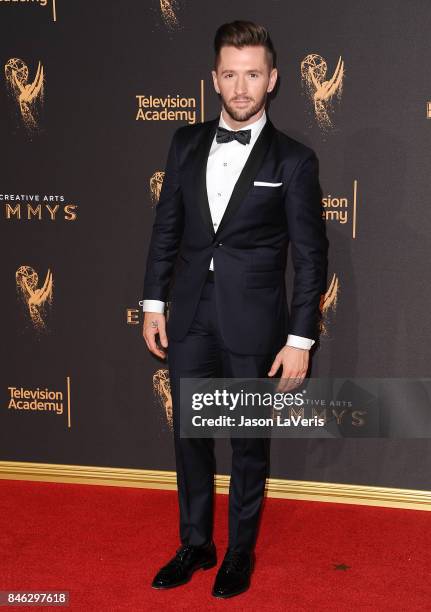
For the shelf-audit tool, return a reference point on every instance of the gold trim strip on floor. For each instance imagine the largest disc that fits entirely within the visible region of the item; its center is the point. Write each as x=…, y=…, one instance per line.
x=411, y=499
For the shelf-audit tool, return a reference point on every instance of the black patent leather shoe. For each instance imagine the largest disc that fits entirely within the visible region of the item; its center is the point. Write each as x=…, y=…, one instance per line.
x=233, y=576
x=180, y=568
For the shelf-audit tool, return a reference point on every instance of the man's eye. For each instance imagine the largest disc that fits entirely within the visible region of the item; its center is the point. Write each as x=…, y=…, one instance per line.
x=228, y=75
x=253, y=74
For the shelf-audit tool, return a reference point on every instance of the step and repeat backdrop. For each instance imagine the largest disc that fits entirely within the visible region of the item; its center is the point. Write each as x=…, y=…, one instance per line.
x=91, y=92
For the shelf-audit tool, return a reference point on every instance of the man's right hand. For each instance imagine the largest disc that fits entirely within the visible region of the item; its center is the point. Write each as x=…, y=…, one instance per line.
x=155, y=323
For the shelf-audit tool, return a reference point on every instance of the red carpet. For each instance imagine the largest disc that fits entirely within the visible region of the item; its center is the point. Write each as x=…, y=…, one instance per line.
x=104, y=544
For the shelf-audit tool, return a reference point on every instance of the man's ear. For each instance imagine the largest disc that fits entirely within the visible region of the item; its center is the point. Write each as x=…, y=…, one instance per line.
x=214, y=75
x=272, y=79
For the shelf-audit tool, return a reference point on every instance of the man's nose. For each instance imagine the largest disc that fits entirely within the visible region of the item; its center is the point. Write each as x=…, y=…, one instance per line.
x=240, y=86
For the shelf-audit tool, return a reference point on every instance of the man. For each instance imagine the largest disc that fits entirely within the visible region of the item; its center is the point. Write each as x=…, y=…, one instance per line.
x=236, y=192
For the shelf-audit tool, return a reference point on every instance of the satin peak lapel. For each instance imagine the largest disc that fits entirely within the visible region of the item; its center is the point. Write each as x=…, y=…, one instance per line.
x=202, y=152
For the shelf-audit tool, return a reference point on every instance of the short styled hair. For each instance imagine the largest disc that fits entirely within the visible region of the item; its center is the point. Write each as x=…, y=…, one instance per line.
x=243, y=34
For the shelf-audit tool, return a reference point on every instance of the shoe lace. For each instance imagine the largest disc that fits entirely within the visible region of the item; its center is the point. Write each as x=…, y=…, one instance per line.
x=181, y=554
x=233, y=561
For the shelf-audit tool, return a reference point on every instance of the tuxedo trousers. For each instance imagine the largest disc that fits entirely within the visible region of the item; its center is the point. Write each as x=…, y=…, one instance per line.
x=203, y=354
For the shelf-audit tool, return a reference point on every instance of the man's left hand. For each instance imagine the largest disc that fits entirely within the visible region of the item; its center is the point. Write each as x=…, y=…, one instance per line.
x=295, y=365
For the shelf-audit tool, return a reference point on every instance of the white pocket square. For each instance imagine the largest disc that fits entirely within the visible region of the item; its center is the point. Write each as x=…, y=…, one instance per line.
x=263, y=184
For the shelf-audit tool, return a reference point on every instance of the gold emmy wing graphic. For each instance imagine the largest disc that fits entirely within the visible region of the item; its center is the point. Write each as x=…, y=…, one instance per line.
x=167, y=9
x=320, y=91
x=28, y=95
x=162, y=393
x=36, y=299
x=329, y=301
x=156, y=182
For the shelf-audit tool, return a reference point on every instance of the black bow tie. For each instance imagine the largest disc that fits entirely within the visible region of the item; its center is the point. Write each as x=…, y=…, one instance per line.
x=242, y=136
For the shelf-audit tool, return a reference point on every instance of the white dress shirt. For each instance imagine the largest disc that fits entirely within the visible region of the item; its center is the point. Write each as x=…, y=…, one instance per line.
x=225, y=164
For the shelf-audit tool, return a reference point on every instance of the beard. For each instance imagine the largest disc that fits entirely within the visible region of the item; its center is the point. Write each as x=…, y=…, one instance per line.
x=238, y=114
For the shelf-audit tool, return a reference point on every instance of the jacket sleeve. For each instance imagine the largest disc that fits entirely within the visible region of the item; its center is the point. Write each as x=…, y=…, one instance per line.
x=167, y=231
x=309, y=247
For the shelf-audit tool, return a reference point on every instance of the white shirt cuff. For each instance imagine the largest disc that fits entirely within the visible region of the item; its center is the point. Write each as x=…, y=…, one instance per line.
x=153, y=306
x=299, y=342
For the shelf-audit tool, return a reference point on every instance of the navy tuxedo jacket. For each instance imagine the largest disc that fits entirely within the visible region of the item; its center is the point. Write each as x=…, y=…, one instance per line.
x=250, y=245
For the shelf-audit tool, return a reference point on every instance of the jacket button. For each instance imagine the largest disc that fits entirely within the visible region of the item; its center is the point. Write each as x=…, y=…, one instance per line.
x=219, y=244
